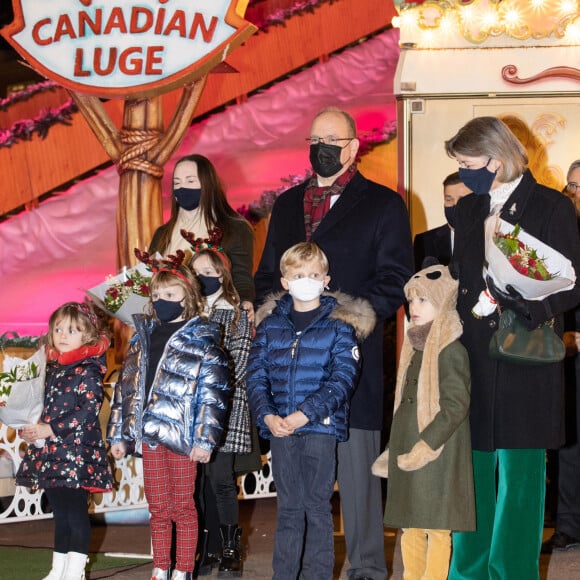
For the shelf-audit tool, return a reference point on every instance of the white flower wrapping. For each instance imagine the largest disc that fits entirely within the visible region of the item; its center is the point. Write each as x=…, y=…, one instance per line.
x=503, y=273
x=131, y=303
x=24, y=403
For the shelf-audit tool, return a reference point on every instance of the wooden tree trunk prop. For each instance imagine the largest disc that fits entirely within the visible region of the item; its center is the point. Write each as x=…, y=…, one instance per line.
x=139, y=150
x=139, y=210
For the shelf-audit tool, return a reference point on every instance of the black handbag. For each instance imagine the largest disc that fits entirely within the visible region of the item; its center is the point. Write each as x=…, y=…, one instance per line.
x=513, y=342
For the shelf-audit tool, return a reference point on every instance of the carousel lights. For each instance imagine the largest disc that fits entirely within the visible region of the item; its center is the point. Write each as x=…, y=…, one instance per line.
x=434, y=23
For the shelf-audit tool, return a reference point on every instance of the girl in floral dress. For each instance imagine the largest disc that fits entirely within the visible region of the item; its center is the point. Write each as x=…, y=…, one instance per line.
x=71, y=461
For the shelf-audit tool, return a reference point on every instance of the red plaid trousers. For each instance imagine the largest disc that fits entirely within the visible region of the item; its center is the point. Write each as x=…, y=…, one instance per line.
x=169, y=483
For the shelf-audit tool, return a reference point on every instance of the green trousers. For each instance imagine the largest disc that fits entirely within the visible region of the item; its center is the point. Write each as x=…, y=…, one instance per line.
x=510, y=488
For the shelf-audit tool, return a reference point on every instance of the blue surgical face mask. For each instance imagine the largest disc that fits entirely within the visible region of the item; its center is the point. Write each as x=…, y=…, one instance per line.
x=477, y=180
x=209, y=284
x=187, y=198
x=450, y=215
x=167, y=310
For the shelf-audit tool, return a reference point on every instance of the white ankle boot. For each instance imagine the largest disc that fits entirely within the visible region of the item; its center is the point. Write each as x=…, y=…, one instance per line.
x=159, y=574
x=58, y=566
x=75, y=566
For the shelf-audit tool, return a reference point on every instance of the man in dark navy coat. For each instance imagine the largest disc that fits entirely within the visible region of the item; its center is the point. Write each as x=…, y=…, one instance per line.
x=438, y=242
x=363, y=228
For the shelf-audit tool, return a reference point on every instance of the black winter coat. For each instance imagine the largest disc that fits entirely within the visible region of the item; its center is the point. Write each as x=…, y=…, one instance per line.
x=367, y=239
x=514, y=406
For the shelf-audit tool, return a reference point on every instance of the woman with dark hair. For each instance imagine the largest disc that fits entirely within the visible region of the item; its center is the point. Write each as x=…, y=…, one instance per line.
x=517, y=411
x=199, y=204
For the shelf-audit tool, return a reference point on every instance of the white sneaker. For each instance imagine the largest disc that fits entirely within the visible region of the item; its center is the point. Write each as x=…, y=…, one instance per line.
x=178, y=575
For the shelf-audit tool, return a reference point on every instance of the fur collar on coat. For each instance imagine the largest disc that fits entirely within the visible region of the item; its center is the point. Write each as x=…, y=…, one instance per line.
x=357, y=312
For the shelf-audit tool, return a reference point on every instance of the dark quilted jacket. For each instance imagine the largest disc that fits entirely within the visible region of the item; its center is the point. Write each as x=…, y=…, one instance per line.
x=313, y=371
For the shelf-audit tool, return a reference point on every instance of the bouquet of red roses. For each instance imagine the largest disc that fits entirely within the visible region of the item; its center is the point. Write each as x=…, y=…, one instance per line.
x=522, y=258
x=125, y=294
x=519, y=259
x=529, y=265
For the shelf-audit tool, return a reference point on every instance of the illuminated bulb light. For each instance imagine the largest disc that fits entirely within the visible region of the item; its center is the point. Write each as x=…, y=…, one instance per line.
x=489, y=19
x=408, y=18
x=446, y=24
x=467, y=14
x=568, y=7
x=512, y=17
x=573, y=32
x=396, y=22
x=427, y=38
x=537, y=3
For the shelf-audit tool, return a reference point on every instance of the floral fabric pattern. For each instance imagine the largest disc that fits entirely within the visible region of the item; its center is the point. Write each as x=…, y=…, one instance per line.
x=76, y=456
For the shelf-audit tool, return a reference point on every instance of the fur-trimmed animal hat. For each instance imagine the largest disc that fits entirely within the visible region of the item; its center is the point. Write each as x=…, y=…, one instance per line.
x=436, y=284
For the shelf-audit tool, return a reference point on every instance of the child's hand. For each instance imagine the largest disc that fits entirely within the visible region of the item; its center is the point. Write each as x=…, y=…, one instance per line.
x=32, y=433
x=118, y=450
x=200, y=455
x=249, y=308
x=278, y=426
x=296, y=420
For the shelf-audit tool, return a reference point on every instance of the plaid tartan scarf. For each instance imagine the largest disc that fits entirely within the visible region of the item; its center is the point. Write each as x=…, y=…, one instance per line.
x=317, y=199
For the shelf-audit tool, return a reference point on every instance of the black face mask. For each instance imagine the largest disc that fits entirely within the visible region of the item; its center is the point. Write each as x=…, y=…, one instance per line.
x=478, y=180
x=325, y=159
x=450, y=215
x=209, y=284
x=187, y=198
x=167, y=310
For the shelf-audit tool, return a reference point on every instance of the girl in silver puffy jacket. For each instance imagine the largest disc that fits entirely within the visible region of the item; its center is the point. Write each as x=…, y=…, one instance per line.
x=170, y=406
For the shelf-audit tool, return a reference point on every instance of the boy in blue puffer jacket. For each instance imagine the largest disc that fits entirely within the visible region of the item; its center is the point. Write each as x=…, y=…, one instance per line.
x=301, y=374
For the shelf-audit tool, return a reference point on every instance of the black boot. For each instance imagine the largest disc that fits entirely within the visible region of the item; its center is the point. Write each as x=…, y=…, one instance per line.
x=231, y=560
x=205, y=561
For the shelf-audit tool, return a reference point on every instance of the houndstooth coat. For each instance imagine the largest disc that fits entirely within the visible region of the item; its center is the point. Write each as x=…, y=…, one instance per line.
x=236, y=342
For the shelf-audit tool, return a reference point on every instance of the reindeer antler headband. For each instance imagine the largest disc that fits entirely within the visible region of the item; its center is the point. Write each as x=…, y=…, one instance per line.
x=210, y=243
x=170, y=263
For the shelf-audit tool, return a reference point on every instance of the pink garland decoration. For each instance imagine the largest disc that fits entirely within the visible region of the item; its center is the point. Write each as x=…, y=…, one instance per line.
x=27, y=93
x=278, y=17
x=25, y=129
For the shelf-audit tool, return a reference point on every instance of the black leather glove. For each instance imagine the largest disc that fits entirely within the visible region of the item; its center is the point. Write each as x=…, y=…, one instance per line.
x=511, y=300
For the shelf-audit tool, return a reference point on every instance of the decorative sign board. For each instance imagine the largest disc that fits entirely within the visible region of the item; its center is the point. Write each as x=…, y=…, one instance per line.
x=115, y=48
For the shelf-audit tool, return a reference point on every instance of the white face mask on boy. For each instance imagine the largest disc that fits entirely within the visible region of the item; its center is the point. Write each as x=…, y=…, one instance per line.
x=305, y=289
